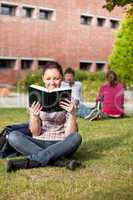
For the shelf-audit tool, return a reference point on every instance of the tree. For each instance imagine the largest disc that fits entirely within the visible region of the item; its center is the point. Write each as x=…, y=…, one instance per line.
x=121, y=59
x=110, y=4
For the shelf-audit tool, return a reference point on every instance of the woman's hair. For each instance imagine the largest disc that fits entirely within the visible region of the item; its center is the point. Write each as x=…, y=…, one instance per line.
x=69, y=70
x=53, y=65
x=112, y=78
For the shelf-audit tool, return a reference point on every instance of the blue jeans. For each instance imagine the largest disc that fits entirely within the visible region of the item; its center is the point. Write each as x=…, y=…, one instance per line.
x=44, y=151
x=83, y=110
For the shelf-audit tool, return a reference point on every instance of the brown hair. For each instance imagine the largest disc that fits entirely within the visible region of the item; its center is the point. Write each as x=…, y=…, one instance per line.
x=112, y=78
x=53, y=65
x=69, y=70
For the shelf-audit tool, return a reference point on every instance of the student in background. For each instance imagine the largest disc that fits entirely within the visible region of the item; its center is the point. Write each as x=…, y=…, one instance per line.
x=54, y=134
x=111, y=96
x=76, y=86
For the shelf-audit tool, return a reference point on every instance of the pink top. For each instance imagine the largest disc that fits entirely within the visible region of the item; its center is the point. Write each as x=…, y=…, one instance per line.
x=112, y=99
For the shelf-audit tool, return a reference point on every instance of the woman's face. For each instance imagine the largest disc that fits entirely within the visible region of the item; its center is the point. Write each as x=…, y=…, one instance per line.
x=52, y=78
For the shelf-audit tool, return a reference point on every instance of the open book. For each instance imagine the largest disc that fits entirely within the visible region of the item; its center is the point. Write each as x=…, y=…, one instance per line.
x=49, y=100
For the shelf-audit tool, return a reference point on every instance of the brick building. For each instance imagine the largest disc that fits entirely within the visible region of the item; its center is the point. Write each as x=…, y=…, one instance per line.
x=77, y=33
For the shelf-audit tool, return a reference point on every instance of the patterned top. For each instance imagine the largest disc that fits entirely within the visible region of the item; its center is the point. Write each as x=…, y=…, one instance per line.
x=53, y=126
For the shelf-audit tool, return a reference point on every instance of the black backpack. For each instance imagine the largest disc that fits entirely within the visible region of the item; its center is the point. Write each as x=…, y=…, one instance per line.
x=6, y=150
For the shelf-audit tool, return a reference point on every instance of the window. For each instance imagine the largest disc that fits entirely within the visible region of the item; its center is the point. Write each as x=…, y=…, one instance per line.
x=8, y=9
x=26, y=12
x=85, y=20
x=100, y=66
x=41, y=63
x=46, y=14
x=100, y=21
x=85, y=66
x=7, y=63
x=26, y=64
x=114, y=23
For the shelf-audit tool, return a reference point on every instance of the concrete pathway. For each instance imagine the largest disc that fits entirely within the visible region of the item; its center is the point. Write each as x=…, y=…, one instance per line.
x=14, y=100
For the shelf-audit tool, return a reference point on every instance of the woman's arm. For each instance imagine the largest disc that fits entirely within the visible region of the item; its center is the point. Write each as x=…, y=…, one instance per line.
x=35, y=122
x=71, y=124
x=99, y=96
x=70, y=107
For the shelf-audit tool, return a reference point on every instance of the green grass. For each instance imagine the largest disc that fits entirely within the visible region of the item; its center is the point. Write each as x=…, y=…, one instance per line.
x=106, y=152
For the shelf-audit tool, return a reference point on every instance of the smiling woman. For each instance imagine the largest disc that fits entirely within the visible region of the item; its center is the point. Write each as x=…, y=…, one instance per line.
x=53, y=133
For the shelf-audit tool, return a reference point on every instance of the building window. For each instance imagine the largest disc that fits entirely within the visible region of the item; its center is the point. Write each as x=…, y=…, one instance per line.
x=7, y=63
x=86, y=66
x=41, y=63
x=27, y=12
x=85, y=20
x=100, y=66
x=100, y=21
x=26, y=64
x=8, y=9
x=114, y=23
x=46, y=14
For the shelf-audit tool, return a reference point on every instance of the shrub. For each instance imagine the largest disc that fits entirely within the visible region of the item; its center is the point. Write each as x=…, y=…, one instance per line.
x=96, y=76
x=91, y=82
x=34, y=77
x=81, y=75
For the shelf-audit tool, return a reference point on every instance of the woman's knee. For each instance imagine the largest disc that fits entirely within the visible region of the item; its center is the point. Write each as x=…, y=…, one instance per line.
x=77, y=138
x=13, y=137
x=74, y=143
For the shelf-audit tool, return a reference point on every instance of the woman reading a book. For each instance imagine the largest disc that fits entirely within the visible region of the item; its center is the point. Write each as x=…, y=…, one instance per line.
x=53, y=133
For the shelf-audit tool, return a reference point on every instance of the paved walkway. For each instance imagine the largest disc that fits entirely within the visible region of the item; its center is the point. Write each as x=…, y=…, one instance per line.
x=21, y=100
x=14, y=100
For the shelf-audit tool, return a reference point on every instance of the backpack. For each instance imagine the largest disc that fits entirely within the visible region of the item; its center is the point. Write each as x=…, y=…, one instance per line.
x=6, y=150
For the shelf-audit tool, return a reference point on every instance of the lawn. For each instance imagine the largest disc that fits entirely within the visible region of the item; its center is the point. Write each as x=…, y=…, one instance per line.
x=107, y=173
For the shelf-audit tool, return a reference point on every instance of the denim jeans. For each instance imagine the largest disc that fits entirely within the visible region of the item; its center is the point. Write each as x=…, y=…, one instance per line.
x=83, y=110
x=44, y=151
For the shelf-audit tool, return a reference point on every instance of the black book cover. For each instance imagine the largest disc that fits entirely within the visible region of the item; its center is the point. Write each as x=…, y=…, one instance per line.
x=49, y=100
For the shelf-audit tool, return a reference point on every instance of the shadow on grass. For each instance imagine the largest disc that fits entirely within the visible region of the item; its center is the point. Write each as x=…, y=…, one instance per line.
x=94, y=149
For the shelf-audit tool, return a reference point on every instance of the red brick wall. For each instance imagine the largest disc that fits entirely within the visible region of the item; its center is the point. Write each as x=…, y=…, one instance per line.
x=65, y=39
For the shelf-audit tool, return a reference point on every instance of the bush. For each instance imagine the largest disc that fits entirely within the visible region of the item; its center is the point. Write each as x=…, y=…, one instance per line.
x=92, y=76
x=96, y=76
x=91, y=83
x=34, y=77
x=81, y=75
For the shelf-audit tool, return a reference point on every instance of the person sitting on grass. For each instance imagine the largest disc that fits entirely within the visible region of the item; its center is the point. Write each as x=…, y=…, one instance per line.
x=53, y=133
x=69, y=81
x=111, y=98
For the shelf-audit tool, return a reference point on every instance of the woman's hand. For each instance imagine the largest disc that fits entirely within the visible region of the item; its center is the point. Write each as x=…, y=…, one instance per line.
x=68, y=105
x=35, y=109
x=35, y=122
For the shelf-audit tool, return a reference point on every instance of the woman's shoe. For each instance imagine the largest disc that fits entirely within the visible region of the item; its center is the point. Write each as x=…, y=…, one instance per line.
x=70, y=164
x=73, y=164
x=13, y=165
x=61, y=162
